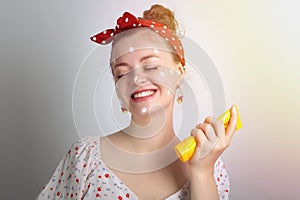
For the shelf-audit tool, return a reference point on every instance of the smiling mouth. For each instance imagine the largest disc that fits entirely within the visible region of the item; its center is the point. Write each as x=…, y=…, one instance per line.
x=143, y=94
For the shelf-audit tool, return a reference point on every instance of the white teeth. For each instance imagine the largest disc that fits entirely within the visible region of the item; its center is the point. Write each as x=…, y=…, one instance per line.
x=143, y=94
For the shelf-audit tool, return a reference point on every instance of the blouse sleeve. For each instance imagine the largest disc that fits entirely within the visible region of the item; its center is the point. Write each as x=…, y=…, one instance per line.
x=222, y=180
x=69, y=178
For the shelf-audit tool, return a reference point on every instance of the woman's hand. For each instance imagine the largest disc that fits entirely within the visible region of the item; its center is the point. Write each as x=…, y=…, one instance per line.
x=212, y=139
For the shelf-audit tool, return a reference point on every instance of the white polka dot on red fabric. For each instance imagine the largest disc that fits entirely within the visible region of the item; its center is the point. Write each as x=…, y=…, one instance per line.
x=165, y=27
x=103, y=42
x=175, y=47
x=173, y=38
x=134, y=25
x=153, y=22
x=126, y=20
x=163, y=31
x=152, y=25
x=104, y=32
x=94, y=38
x=167, y=39
x=112, y=34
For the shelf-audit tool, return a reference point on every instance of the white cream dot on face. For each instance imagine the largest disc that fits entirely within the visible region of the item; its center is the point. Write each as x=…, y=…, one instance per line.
x=155, y=50
x=162, y=74
x=169, y=92
x=144, y=110
x=171, y=72
x=135, y=79
x=131, y=49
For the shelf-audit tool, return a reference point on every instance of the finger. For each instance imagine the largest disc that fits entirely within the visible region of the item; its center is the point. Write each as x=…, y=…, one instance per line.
x=232, y=123
x=199, y=136
x=209, y=131
x=205, y=141
x=217, y=125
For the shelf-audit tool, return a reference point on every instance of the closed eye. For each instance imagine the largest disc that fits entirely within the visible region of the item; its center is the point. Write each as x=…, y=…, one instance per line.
x=150, y=67
x=120, y=76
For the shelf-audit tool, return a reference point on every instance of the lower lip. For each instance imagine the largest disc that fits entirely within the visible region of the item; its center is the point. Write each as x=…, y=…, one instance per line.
x=143, y=98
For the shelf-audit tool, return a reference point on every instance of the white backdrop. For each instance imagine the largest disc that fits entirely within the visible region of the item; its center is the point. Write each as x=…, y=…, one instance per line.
x=254, y=45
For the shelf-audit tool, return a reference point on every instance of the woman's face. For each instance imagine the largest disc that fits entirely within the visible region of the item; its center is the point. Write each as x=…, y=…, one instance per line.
x=146, y=80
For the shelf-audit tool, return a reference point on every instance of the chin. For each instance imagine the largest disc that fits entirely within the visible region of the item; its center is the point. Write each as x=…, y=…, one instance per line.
x=145, y=111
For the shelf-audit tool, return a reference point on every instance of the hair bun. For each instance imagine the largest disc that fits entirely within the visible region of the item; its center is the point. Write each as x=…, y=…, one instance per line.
x=161, y=14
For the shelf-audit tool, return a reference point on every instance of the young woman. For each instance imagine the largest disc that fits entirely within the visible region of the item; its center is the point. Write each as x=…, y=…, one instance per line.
x=138, y=162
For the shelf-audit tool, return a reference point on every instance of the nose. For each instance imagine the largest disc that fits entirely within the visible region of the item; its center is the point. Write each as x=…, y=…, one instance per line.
x=139, y=77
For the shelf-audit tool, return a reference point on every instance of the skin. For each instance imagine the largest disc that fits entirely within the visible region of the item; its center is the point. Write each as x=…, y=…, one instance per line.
x=169, y=179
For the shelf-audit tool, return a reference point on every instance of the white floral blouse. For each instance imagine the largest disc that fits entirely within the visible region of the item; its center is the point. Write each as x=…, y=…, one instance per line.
x=81, y=174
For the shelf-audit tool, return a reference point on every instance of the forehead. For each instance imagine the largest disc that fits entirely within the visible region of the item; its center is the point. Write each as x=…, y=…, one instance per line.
x=138, y=39
x=143, y=55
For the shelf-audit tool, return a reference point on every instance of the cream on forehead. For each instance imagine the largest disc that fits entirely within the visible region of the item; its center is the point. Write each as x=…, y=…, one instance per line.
x=135, y=39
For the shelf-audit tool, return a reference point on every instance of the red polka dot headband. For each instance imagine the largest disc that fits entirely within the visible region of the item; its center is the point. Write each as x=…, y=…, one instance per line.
x=128, y=21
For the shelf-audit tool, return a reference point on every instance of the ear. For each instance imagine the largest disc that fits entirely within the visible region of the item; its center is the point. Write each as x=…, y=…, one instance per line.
x=181, y=69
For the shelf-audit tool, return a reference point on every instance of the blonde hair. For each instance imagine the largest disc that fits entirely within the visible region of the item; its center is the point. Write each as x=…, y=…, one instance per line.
x=161, y=14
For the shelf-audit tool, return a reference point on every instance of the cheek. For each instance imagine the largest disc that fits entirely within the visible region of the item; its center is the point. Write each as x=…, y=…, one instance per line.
x=167, y=78
x=122, y=93
x=166, y=92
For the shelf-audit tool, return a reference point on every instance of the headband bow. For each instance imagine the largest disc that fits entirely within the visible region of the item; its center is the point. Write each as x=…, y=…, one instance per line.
x=128, y=21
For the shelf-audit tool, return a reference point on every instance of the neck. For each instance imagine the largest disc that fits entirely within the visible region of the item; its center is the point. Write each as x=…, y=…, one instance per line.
x=152, y=133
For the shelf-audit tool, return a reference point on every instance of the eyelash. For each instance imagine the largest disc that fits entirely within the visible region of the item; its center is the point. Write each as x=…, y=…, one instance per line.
x=120, y=76
x=147, y=67
x=151, y=67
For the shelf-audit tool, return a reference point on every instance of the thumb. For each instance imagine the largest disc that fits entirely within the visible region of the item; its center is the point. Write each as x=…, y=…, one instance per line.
x=230, y=129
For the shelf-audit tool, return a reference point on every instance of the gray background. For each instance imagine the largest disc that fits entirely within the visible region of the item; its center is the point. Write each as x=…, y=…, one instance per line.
x=43, y=44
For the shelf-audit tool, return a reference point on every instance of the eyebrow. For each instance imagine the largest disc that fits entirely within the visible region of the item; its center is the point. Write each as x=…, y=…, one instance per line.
x=141, y=60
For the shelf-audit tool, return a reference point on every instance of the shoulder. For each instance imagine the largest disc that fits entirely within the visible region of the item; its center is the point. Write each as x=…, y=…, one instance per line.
x=84, y=150
x=87, y=143
x=73, y=170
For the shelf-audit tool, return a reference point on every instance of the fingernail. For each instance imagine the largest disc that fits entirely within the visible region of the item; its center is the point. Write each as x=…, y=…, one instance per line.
x=234, y=109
